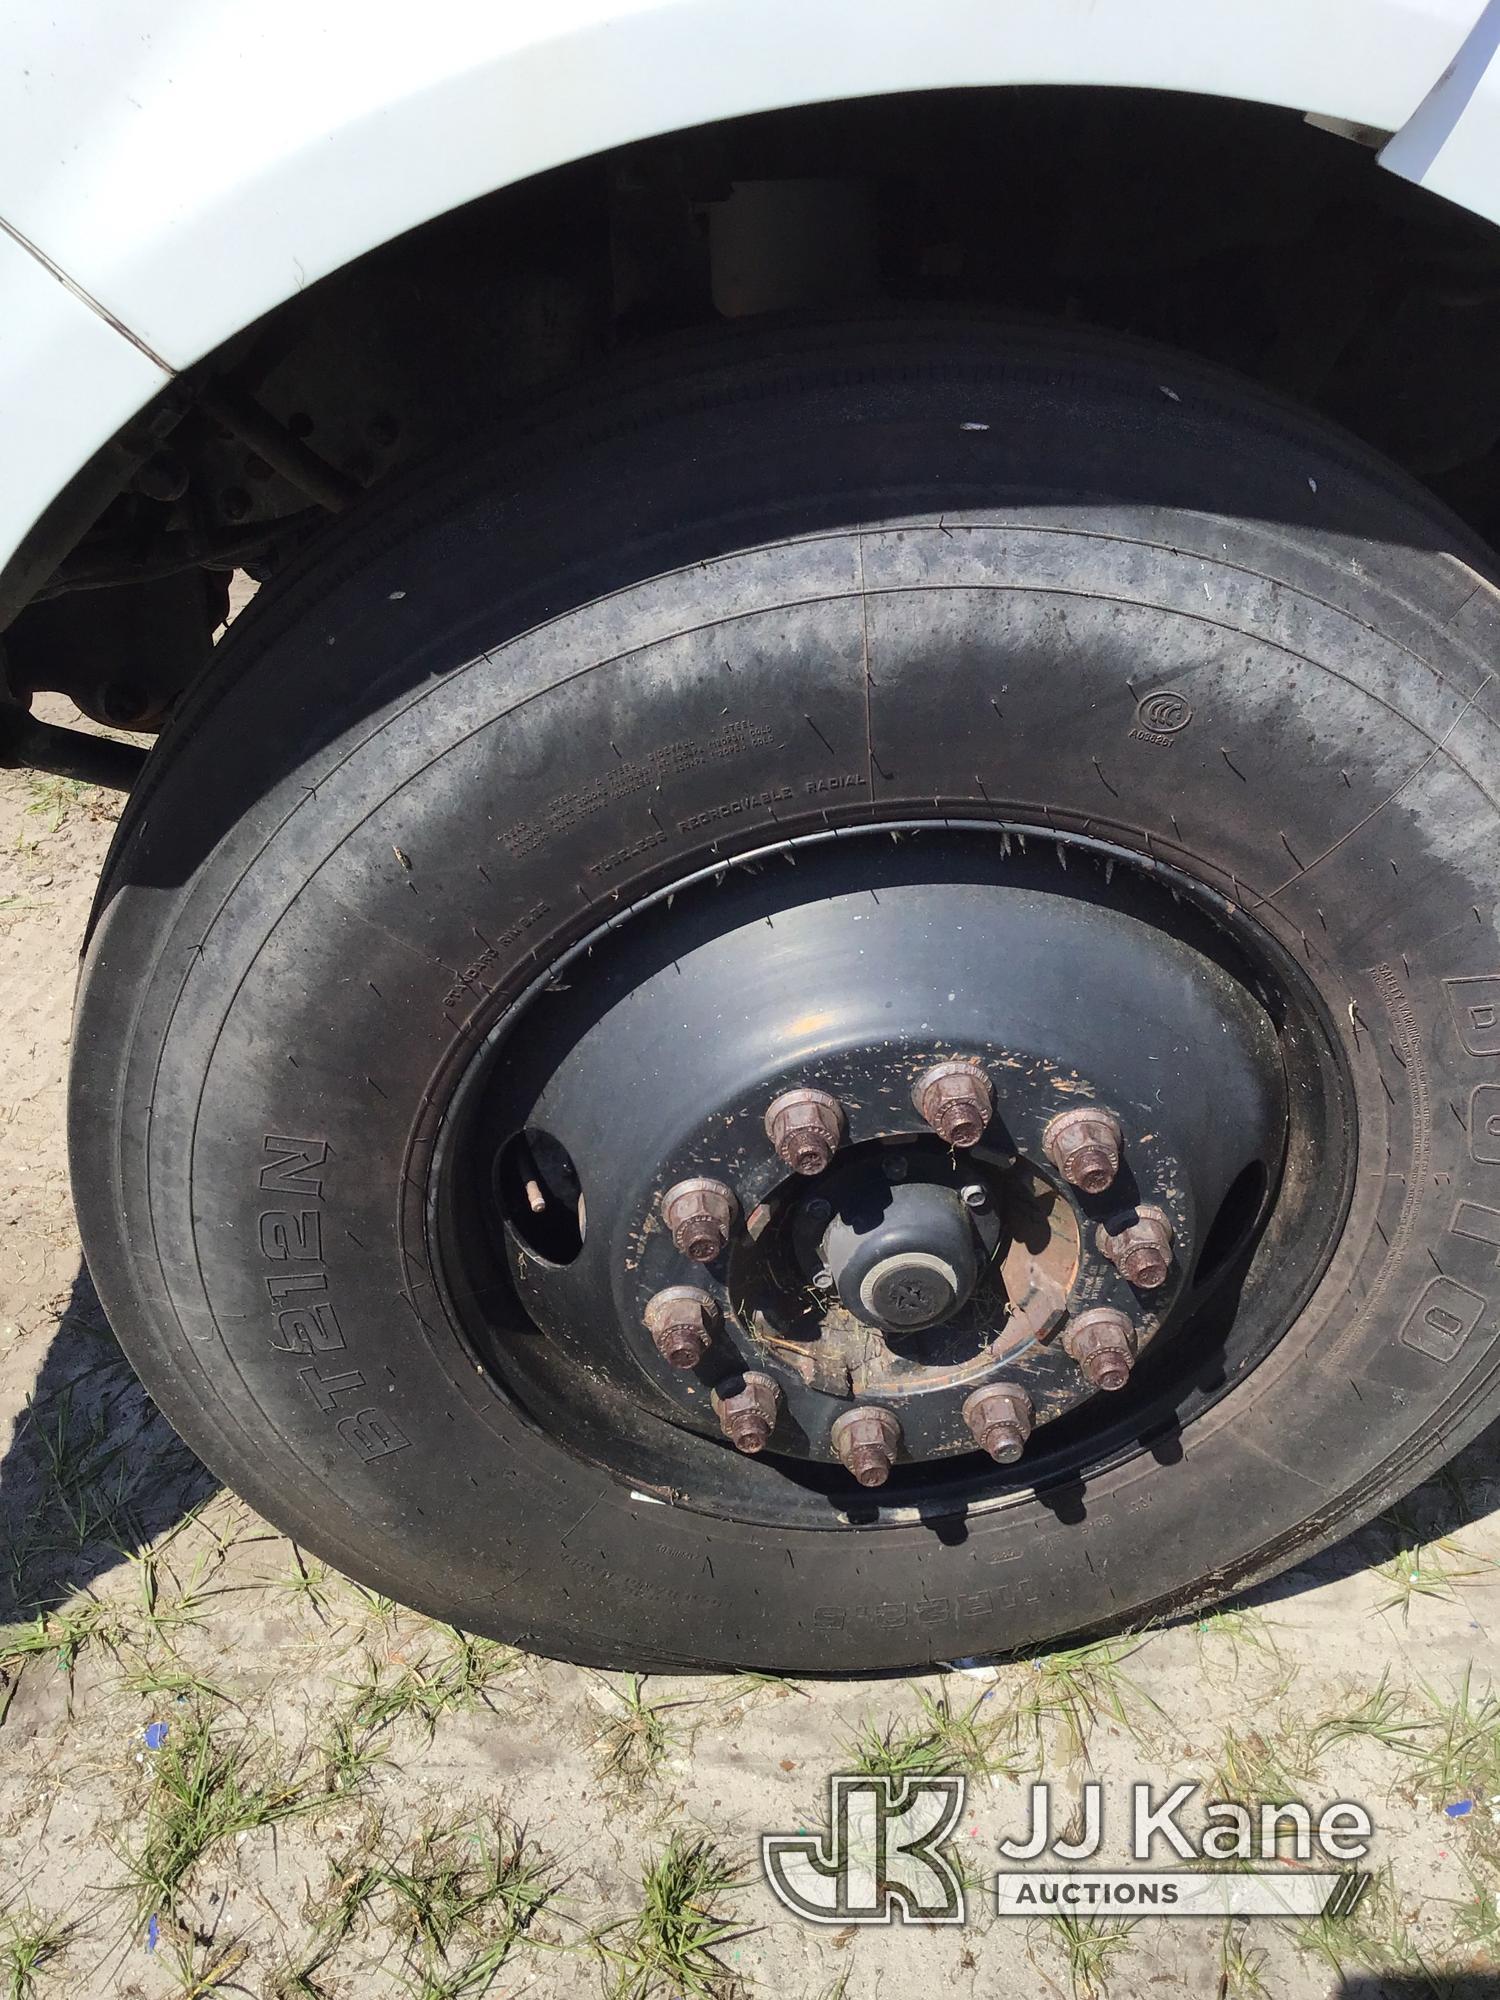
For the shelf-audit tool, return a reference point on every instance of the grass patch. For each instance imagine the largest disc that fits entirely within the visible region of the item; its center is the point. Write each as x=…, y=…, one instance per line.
x=748, y=1686
x=55, y=800
x=1422, y=1569
x=1252, y=1767
x=1244, y=1637
x=207, y=1787
x=62, y=1637
x=1241, y=1965
x=633, y=1738
x=171, y=1679
x=1458, y=1756
x=309, y=1585
x=460, y=1673
x=1477, y=1923
x=1089, y=1947
x=971, y=1738
x=349, y=1755
x=1372, y=1937
x=672, y=1945
x=168, y=1605
x=30, y=1944
x=200, y=1967
x=83, y=1471
x=1381, y=1717
x=1075, y=1688
x=85, y=1461
x=459, y=1899
x=455, y=1899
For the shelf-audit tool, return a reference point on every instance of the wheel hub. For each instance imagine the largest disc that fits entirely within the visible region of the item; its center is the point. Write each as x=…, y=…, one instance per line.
x=903, y=1255
x=876, y=1174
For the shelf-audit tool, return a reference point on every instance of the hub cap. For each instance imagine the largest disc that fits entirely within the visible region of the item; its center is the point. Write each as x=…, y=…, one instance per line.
x=901, y=1162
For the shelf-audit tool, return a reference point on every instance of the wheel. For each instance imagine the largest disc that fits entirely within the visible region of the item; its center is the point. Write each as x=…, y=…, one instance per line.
x=837, y=1007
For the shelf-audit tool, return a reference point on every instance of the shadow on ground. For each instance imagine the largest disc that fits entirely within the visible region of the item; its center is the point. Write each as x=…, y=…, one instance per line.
x=1434, y=1985
x=94, y=1473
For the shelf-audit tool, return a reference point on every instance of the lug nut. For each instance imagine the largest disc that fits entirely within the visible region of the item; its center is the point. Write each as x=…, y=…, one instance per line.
x=957, y=1100
x=680, y=1322
x=999, y=1417
x=700, y=1215
x=747, y=1414
x=1102, y=1342
x=1084, y=1146
x=1139, y=1245
x=866, y=1441
x=806, y=1127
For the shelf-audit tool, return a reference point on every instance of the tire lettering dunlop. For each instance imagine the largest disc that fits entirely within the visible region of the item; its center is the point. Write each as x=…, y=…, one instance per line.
x=1475, y=1005
x=1484, y=1124
x=1442, y=1319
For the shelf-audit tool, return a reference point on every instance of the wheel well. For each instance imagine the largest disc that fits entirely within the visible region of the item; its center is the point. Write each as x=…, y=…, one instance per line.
x=1238, y=232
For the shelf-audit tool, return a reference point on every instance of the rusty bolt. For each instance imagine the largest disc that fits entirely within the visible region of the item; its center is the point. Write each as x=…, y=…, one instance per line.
x=806, y=1127
x=1102, y=1342
x=680, y=1322
x=1139, y=1245
x=999, y=1416
x=747, y=1413
x=700, y=1215
x=866, y=1440
x=957, y=1099
x=1084, y=1146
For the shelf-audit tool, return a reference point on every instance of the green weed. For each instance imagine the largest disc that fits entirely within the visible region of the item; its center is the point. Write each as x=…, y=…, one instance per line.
x=634, y=1736
x=459, y=1674
x=672, y=1945
x=207, y=1787
x=30, y=1943
x=1089, y=1947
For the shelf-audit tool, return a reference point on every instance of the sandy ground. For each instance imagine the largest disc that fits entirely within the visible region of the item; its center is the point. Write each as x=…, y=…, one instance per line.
x=225, y=1769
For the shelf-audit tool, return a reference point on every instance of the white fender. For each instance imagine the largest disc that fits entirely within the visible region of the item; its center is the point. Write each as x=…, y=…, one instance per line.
x=185, y=165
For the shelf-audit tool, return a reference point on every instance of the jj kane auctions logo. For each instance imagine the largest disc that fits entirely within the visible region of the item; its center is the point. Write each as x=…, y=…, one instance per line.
x=882, y=1857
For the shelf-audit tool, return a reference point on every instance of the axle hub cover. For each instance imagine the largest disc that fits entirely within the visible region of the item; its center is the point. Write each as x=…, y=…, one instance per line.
x=903, y=1257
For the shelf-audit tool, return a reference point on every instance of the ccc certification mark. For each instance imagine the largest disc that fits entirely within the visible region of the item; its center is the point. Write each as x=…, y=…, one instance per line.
x=1164, y=712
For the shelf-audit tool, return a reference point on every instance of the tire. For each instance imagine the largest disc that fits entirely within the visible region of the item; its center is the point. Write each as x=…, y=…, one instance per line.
x=771, y=586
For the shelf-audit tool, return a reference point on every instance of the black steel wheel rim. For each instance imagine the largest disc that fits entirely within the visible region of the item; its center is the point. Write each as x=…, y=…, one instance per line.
x=1072, y=975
